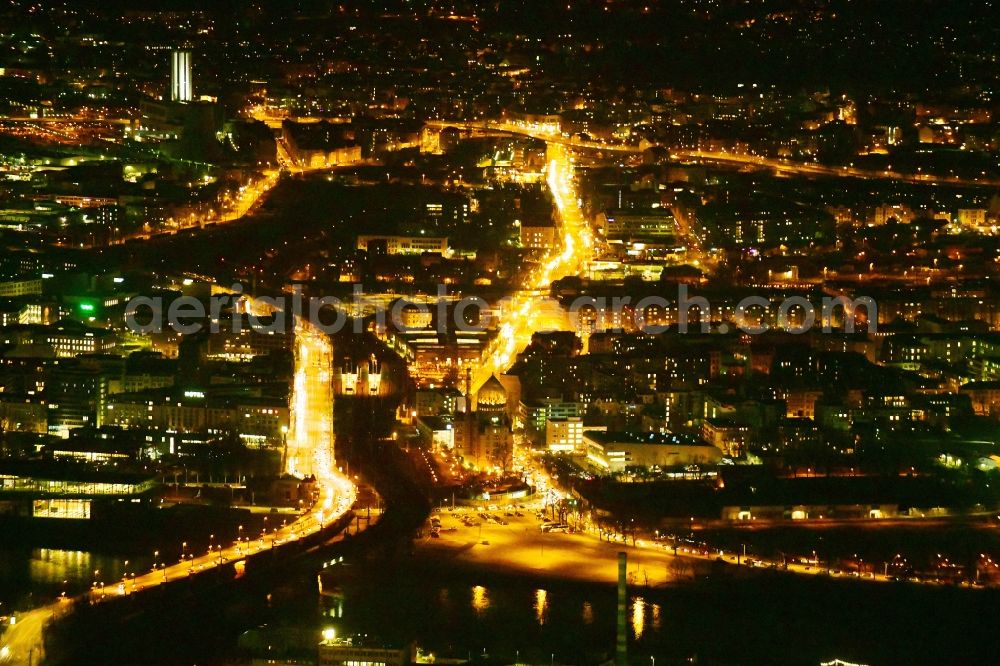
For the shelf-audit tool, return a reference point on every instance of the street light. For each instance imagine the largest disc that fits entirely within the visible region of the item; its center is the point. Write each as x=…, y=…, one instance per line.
x=97, y=582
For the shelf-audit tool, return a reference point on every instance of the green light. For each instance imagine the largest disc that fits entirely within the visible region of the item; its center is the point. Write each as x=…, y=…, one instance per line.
x=87, y=307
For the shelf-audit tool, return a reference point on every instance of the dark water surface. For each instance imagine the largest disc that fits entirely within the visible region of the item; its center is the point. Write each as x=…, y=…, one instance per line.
x=752, y=618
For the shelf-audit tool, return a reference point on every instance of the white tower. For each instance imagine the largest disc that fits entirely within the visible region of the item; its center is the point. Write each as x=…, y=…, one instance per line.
x=180, y=76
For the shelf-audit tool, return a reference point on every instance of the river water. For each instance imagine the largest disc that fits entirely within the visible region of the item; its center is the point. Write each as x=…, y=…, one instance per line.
x=748, y=618
x=32, y=574
x=763, y=618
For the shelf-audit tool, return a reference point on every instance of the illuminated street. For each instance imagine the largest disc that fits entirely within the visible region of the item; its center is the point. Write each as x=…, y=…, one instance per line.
x=677, y=316
x=553, y=136
x=310, y=440
x=531, y=309
x=543, y=133
x=789, y=167
x=310, y=452
x=21, y=643
x=233, y=209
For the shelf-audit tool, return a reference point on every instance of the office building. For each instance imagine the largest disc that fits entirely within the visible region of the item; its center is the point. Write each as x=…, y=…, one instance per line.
x=180, y=77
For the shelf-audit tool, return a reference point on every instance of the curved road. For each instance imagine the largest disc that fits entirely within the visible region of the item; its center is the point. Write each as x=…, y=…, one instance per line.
x=779, y=165
x=310, y=453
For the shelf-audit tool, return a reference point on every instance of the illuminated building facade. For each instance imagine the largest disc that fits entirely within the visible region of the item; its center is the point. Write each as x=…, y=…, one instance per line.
x=258, y=421
x=43, y=490
x=180, y=77
x=405, y=244
x=564, y=435
x=616, y=451
x=485, y=439
x=538, y=237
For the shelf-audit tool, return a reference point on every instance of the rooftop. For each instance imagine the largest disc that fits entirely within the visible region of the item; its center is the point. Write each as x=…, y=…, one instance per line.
x=636, y=437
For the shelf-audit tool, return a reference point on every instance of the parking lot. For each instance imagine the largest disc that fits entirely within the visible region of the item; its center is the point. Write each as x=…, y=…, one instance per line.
x=502, y=538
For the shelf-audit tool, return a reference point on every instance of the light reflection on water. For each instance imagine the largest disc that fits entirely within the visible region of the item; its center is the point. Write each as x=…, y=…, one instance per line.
x=638, y=617
x=644, y=615
x=480, y=600
x=508, y=617
x=541, y=606
x=44, y=572
x=48, y=566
